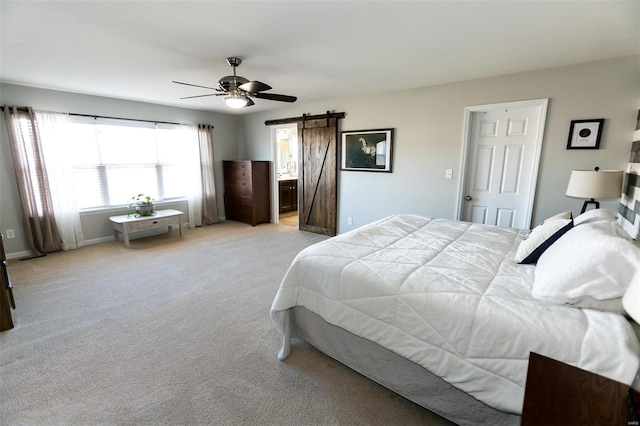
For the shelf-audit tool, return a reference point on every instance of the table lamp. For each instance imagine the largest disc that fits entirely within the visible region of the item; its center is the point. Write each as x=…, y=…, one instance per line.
x=592, y=184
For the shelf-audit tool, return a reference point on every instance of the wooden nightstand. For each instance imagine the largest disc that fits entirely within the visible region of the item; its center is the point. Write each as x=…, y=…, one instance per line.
x=560, y=394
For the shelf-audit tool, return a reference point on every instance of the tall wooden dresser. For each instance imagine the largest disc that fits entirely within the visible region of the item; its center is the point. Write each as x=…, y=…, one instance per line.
x=246, y=191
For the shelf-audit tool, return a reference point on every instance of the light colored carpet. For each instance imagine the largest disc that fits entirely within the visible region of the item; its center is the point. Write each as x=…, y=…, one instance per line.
x=174, y=331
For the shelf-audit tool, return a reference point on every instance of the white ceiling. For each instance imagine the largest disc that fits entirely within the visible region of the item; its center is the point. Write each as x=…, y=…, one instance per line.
x=311, y=49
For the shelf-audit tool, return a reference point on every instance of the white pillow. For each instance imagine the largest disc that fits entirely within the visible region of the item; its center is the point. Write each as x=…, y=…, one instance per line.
x=542, y=236
x=595, y=215
x=591, y=263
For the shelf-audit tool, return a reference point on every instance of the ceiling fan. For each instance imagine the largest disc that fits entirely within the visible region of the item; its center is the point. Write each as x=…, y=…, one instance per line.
x=238, y=91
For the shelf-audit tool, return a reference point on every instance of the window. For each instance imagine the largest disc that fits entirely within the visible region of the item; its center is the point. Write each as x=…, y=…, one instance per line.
x=114, y=160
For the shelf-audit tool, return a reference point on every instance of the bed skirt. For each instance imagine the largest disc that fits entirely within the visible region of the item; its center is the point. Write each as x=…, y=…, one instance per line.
x=394, y=372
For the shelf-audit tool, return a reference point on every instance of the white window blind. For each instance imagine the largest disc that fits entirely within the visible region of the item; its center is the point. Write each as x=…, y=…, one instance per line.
x=114, y=160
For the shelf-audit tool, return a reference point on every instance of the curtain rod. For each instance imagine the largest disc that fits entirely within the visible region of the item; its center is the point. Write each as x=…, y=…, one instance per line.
x=26, y=109
x=119, y=118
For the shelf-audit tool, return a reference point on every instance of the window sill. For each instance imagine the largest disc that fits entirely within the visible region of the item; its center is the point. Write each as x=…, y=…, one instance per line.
x=123, y=208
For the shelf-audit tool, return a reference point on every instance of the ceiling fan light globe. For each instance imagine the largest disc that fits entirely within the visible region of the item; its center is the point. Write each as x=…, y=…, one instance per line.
x=235, y=102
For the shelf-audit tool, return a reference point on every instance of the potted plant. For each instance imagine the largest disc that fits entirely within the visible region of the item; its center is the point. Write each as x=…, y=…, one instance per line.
x=141, y=205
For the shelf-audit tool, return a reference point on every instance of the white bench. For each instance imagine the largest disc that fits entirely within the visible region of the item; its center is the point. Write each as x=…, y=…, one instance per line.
x=125, y=224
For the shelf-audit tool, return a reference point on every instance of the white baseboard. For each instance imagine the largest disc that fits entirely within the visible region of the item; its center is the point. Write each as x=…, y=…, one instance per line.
x=98, y=240
x=19, y=254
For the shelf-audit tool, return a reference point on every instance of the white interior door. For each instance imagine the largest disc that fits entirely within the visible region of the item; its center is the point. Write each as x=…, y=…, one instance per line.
x=503, y=148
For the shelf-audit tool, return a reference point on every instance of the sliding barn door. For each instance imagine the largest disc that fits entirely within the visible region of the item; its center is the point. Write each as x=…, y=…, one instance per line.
x=317, y=177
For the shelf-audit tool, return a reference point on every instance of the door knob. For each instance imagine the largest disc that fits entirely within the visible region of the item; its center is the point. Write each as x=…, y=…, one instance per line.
x=468, y=198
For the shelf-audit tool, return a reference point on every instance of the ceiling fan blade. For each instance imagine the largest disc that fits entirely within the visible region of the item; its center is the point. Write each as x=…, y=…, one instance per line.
x=249, y=102
x=200, y=96
x=275, y=97
x=195, y=85
x=254, y=87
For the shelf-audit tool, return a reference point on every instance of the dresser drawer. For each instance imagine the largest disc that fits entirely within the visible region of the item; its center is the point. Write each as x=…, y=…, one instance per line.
x=155, y=223
x=240, y=188
x=239, y=209
x=239, y=170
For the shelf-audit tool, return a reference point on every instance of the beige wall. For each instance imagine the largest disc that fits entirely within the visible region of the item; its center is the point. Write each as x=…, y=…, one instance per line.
x=428, y=126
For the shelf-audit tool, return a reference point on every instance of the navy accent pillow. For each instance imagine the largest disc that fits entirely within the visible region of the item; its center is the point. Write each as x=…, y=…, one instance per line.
x=542, y=236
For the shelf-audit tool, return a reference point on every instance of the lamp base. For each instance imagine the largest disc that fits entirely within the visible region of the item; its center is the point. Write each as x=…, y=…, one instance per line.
x=591, y=201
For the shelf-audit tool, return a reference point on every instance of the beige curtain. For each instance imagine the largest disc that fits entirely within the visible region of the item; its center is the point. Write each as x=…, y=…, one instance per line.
x=39, y=223
x=54, y=139
x=209, y=198
x=190, y=174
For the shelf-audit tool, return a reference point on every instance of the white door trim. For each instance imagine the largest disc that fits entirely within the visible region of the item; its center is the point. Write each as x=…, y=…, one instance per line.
x=275, y=184
x=466, y=146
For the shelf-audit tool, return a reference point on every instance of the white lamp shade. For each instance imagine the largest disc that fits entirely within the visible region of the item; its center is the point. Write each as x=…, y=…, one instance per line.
x=631, y=298
x=601, y=184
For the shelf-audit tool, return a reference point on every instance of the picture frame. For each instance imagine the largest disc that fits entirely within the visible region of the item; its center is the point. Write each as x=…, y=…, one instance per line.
x=585, y=134
x=367, y=150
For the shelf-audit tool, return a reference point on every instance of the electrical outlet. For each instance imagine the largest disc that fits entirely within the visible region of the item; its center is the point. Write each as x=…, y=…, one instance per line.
x=349, y=220
x=11, y=233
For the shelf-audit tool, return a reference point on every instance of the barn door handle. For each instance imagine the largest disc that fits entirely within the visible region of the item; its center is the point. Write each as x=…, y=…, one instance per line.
x=468, y=198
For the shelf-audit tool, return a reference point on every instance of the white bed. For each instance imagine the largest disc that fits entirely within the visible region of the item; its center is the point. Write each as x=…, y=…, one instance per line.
x=443, y=304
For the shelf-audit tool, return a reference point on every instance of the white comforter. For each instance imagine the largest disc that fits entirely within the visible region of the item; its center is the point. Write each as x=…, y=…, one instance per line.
x=448, y=296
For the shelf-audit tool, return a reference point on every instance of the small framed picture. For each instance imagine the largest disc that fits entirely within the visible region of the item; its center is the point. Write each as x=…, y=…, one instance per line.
x=585, y=134
x=367, y=150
